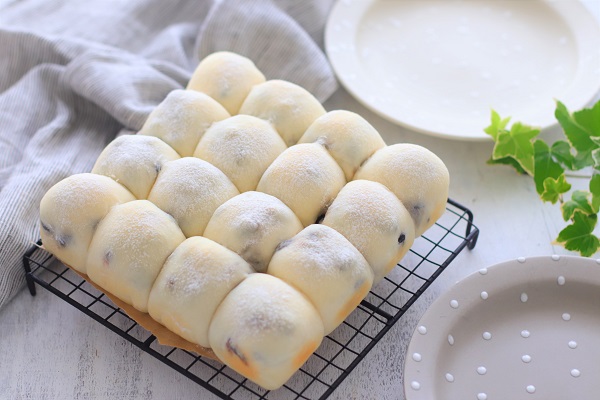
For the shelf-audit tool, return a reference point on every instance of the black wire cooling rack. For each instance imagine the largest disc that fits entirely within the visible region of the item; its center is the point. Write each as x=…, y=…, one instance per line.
x=340, y=352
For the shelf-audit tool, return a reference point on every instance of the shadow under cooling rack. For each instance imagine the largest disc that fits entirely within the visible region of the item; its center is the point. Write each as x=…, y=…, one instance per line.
x=340, y=351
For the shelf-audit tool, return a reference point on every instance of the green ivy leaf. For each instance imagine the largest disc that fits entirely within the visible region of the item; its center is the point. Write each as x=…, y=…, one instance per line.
x=580, y=202
x=508, y=161
x=596, y=140
x=545, y=166
x=595, y=181
x=596, y=160
x=519, y=148
x=553, y=188
x=517, y=144
x=578, y=236
x=579, y=127
x=595, y=191
x=581, y=160
x=498, y=124
x=589, y=119
x=561, y=151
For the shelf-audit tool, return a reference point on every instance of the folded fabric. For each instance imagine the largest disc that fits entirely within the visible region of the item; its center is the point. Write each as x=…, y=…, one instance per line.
x=74, y=74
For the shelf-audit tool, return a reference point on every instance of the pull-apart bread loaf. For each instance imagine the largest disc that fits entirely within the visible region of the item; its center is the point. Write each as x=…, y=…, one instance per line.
x=245, y=218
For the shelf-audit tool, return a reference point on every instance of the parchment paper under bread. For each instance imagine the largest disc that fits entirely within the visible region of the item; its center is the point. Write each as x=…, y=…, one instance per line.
x=163, y=335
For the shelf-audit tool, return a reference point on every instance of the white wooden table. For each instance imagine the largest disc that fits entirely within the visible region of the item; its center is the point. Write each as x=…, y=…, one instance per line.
x=50, y=350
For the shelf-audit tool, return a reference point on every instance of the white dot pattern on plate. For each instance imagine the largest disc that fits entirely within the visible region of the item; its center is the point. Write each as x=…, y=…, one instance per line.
x=422, y=330
x=527, y=388
x=483, y=271
x=555, y=257
x=415, y=385
x=527, y=357
x=417, y=357
x=521, y=260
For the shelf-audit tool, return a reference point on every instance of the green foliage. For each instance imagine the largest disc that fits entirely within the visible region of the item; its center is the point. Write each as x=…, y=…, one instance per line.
x=554, y=188
x=580, y=202
x=546, y=168
x=595, y=190
x=508, y=161
x=498, y=124
x=579, y=235
x=520, y=148
x=516, y=143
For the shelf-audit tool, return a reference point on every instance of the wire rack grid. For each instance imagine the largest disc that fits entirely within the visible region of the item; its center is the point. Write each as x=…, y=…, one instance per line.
x=340, y=352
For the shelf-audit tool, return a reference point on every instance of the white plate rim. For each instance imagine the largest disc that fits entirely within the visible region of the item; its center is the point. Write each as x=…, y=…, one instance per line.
x=348, y=13
x=503, y=275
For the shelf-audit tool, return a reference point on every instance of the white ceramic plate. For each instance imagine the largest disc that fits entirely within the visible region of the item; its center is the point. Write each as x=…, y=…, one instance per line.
x=525, y=329
x=439, y=66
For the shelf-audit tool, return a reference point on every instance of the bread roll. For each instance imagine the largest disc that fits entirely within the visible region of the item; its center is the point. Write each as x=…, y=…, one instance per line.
x=242, y=147
x=252, y=224
x=416, y=176
x=129, y=249
x=193, y=282
x=348, y=137
x=190, y=190
x=306, y=179
x=325, y=267
x=226, y=77
x=372, y=218
x=265, y=330
x=181, y=119
x=134, y=161
x=260, y=279
x=290, y=108
x=70, y=212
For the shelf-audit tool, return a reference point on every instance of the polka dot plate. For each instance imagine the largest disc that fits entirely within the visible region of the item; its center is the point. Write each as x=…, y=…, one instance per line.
x=439, y=66
x=524, y=329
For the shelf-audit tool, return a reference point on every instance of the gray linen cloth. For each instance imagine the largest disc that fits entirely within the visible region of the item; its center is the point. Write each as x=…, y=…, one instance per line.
x=74, y=73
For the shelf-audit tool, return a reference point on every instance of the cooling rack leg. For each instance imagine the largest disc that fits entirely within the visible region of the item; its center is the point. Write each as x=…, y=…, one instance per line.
x=471, y=233
x=30, y=284
x=472, y=239
x=27, y=267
